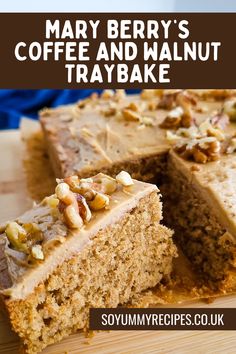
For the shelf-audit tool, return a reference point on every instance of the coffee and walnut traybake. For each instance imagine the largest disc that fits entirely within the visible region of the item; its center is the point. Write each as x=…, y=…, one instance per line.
x=183, y=140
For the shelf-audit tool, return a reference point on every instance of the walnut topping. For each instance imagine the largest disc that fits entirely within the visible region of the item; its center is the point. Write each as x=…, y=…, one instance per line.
x=24, y=238
x=200, y=150
x=108, y=184
x=64, y=194
x=73, y=206
x=192, y=132
x=147, y=121
x=125, y=179
x=17, y=236
x=185, y=100
x=72, y=217
x=173, y=119
x=88, y=101
x=133, y=107
x=231, y=146
x=216, y=95
x=152, y=105
x=172, y=137
x=207, y=129
x=81, y=195
x=100, y=201
x=78, y=196
x=148, y=94
x=107, y=94
x=180, y=103
x=230, y=108
x=167, y=101
x=37, y=252
x=119, y=95
x=109, y=112
x=130, y=115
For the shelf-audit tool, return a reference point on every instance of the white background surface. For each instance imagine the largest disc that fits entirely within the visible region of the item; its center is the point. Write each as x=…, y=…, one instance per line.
x=117, y=5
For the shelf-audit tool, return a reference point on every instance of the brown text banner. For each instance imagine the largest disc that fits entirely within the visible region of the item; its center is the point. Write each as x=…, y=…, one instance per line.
x=162, y=319
x=117, y=50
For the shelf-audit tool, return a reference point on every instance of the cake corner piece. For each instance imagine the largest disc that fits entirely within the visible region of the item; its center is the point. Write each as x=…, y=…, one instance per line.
x=95, y=243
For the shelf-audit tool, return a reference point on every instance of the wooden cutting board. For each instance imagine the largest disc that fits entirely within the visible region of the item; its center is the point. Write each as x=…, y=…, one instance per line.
x=13, y=203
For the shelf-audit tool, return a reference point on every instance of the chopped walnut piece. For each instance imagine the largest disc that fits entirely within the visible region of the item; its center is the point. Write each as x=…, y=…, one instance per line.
x=17, y=236
x=173, y=119
x=168, y=101
x=82, y=104
x=147, y=120
x=107, y=94
x=217, y=94
x=119, y=95
x=192, y=132
x=72, y=181
x=64, y=194
x=52, y=201
x=37, y=252
x=207, y=129
x=130, y=115
x=45, y=112
x=172, y=137
x=125, y=179
x=185, y=100
x=176, y=100
x=107, y=183
x=152, y=106
x=99, y=202
x=147, y=94
x=109, y=112
x=199, y=156
x=84, y=210
x=72, y=217
x=230, y=108
x=88, y=101
x=71, y=204
x=200, y=150
x=231, y=146
x=133, y=107
x=94, y=96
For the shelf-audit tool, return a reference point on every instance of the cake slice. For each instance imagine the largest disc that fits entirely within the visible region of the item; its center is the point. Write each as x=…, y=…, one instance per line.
x=107, y=133
x=95, y=243
x=200, y=205
x=115, y=131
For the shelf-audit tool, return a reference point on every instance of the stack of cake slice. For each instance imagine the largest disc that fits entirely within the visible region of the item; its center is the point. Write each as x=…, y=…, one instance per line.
x=95, y=243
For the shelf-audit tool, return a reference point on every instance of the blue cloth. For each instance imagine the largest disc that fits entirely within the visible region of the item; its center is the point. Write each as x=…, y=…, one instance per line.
x=17, y=103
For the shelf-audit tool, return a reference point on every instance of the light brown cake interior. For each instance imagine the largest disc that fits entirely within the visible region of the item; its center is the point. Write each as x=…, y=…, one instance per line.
x=189, y=209
x=123, y=259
